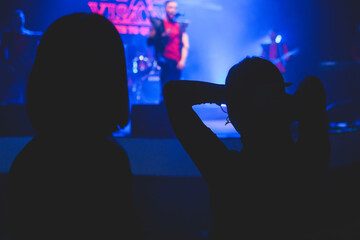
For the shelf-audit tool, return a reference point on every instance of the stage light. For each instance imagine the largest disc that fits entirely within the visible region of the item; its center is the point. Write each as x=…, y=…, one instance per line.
x=135, y=67
x=278, y=39
x=342, y=125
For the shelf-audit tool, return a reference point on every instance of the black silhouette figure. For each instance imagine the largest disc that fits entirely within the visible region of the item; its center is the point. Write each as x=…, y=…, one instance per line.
x=313, y=153
x=259, y=192
x=72, y=180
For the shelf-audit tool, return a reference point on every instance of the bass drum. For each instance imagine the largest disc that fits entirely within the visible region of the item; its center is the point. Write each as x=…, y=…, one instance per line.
x=144, y=81
x=141, y=66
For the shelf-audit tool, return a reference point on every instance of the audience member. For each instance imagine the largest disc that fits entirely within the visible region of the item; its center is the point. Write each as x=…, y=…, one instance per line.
x=256, y=193
x=73, y=180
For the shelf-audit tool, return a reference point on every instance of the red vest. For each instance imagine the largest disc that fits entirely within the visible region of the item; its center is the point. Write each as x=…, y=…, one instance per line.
x=173, y=46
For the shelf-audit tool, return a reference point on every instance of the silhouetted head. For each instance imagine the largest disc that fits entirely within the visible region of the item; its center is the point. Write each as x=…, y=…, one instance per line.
x=17, y=19
x=255, y=91
x=171, y=9
x=78, y=81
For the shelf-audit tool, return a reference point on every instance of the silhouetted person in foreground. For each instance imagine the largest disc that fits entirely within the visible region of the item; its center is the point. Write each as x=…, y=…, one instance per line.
x=72, y=180
x=261, y=191
x=312, y=151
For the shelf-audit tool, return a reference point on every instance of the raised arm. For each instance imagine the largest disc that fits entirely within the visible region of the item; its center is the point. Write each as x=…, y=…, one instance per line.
x=313, y=142
x=152, y=32
x=156, y=31
x=204, y=148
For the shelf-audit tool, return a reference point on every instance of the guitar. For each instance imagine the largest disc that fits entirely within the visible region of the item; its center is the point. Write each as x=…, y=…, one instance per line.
x=286, y=55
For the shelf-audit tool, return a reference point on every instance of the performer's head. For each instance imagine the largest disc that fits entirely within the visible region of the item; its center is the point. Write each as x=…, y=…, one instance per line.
x=78, y=81
x=171, y=9
x=273, y=34
x=255, y=92
x=17, y=19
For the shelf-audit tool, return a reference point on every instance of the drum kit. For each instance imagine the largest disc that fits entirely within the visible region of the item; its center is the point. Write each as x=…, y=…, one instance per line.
x=144, y=77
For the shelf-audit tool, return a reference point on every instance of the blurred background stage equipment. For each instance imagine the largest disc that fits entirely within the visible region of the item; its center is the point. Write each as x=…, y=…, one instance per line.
x=215, y=45
x=144, y=81
x=342, y=85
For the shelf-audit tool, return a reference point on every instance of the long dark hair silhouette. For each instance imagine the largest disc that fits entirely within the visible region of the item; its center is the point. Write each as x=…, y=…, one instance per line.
x=79, y=77
x=73, y=180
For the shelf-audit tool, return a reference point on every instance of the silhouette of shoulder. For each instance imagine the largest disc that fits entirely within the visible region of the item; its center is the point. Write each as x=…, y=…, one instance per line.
x=80, y=182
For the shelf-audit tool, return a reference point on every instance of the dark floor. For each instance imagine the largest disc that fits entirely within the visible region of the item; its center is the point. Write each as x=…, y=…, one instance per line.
x=178, y=207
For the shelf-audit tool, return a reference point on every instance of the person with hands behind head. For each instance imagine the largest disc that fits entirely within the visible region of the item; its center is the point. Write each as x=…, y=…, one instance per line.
x=253, y=191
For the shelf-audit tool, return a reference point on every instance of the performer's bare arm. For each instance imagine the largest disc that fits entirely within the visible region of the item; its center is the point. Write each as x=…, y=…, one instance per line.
x=184, y=51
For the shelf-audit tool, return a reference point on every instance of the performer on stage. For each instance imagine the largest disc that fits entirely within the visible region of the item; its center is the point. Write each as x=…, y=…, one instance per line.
x=17, y=53
x=276, y=51
x=171, y=43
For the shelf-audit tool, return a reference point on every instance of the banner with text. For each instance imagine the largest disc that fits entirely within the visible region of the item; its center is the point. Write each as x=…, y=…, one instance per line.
x=129, y=16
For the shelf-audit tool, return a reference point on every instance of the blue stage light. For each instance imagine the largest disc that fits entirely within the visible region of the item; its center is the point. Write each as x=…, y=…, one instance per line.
x=342, y=124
